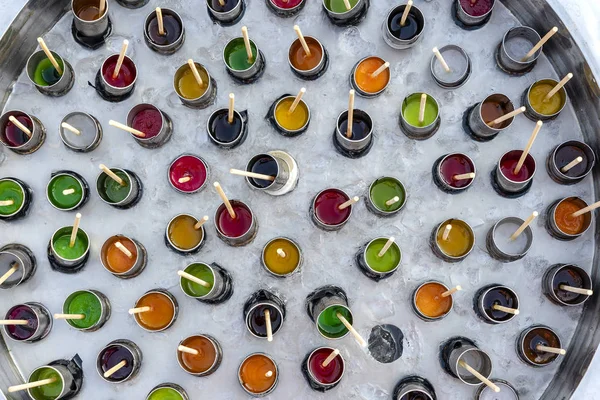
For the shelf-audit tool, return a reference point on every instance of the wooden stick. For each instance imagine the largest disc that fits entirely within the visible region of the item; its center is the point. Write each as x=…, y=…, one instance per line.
x=353, y=331
x=159, y=18
x=540, y=44
x=507, y=116
x=386, y=246
x=75, y=229
x=50, y=55
x=14, y=267
x=251, y=174
x=347, y=5
x=441, y=59
x=347, y=204
x=452, y=291
x=222, y=3
x=422, y=108
x=296, y=101
x=508, y=310
x=572, y=289
x=120, y=59
x=225, y=200
x=67, y=192
x=247, y=44
x=281, y=253
x=71, y=128
x=112, y=175
x=573, y=163
x=69, y=316
x=379, y=70
x=192, y=278
x=13, y=322
x=446, y=232
x=123, y=249
x=477, y=375
x=114, y=369
x=184, y=179
x=405, y=13
x=101, y=7
x=392, y=201
x=31, y=385
x=269, y=374
x=188, y=350
x=558, y=86
x=231, y=105
x=350, y=113
x=330, y=358
x=589, y=208
x=201, y=222
x=302, y=40
x=19, y=125
x=269, y=327
x=139, y=310
x=4, y=203
x=536, y=130
x=127, y=128
x=470, y=175
x=553, y=350
x=524, y=225
x=192, y=65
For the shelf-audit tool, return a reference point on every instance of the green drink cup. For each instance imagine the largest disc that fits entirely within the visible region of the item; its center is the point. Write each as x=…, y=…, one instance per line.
x=65, y=258
x=67, y=191
x=386, y=197
x=238, y=65
x=409, y=118
x=93, y=305
x=167, y=391
x=46, y=78
x=338, y=14
x=15, y=198
x=328, y=323
x=50, y=391
x=123, y=192
x=338, y=6
x=200, y=271
x=378, y=267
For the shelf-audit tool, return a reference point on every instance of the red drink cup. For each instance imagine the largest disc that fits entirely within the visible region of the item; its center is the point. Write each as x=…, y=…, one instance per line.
x=237, y=231
x=188, y=166
x=325, y=211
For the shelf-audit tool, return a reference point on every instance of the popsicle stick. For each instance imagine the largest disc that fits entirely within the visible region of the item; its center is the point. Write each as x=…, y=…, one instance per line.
x=441, y=59
x=75, y=229
x=386, y=246
x=405, y=13
x=14, y=267
x=452, y=291
x=540, y=44
x=225, y=199
x=247, y=43
x=251, y=174
x=101, y=7
x=19, y=125
x=69, y=316
x=269, y=374
x=281, y=253
x=353, y=331
x=422, y=108
x=470, y=175
x=184, y=179
x=222, y=3
x=159, y=18
x=524, y=225
x=112, y=175
x=127, y=128
x=446, y=233
x=572, y=289
x=120, y=59
x=50, y=55
x=350, y=113
x=347, y=5
x=4, y=203
x=188, y=350
x=392, y=201
x=347, y=204
x=139, y=310
x=510, y=115
x=13, y=322
x=67, y=192
x=192, y=278
x=269, y=327
x=553, y=350
x=201, y=222
x=589, y=208
x=31, y=385
x=508, y=310
x=330, y=358
x=379, y=70
x=114, y=369
x=123, y=249
x=70, y=128
x=197, y=76
x=536, y=130
x=297, y=100
x=302, y=40
x=477, y=375
x=573, y=163
x=558, y=86
x=231, y=105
